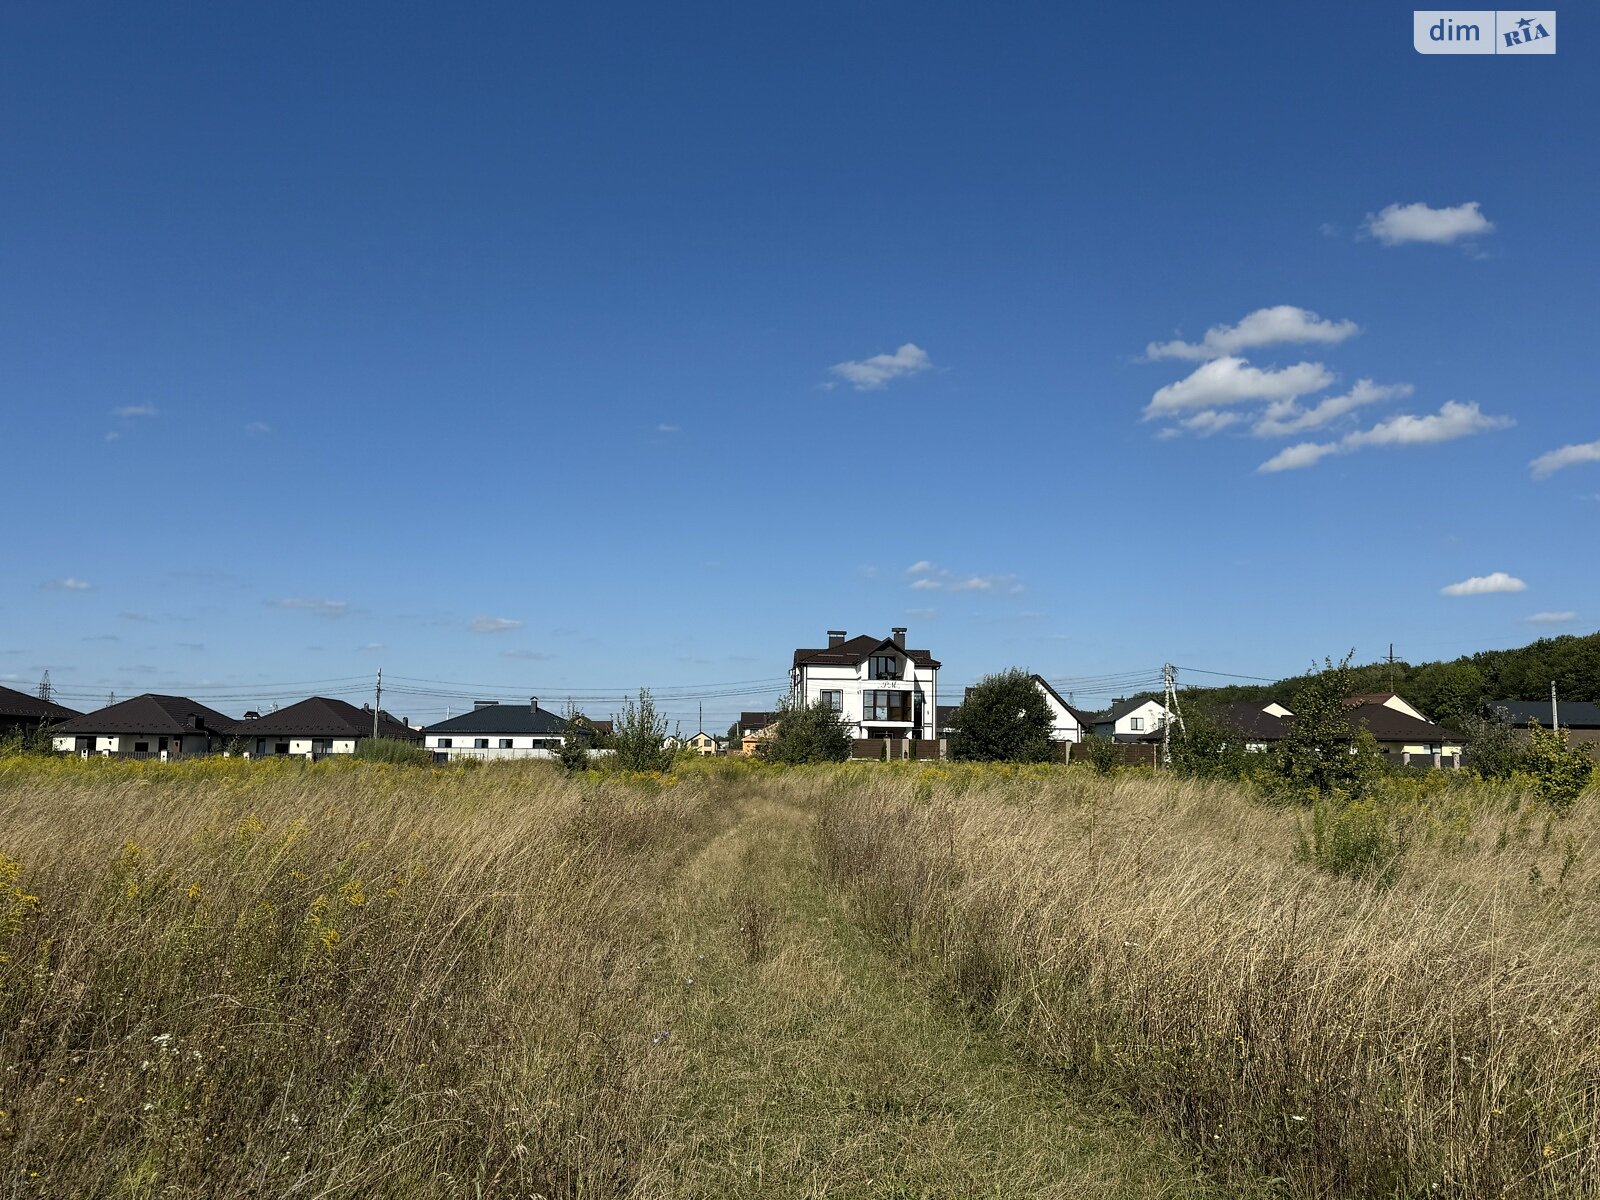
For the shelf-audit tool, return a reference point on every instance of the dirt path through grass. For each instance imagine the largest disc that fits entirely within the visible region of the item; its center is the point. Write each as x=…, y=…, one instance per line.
x=807, y=1067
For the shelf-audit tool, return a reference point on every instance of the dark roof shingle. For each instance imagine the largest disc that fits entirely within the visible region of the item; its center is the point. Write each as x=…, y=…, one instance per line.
x=323, y=717
x=857, y=650
x=151, y=713
x=15, y=704
x=504, y=719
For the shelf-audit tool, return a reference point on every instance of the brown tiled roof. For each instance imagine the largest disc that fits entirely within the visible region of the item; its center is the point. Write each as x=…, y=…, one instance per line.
x=15, y=704
x=150, y=713
x=856, y=651
x=754, y=721
x=1387, y=725
x=322, y=717
x=1251, y=721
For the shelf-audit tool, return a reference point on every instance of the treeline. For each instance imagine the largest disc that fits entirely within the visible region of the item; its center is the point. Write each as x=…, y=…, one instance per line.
x=1453, y=692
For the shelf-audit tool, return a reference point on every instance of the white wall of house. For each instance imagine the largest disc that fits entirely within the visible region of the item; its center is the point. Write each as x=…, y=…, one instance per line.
x=134, y=743
x=1146, y=719
x=808, y=683
x=492, y=746
x=269, y=747
x=1064, y=726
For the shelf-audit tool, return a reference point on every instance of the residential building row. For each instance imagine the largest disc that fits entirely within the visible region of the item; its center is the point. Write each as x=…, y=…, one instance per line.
x=886, y=692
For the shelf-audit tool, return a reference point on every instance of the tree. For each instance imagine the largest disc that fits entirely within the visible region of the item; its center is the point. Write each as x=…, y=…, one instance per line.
x=640, y=735
x=1560, y=771
x=573, y=751
x=1323, y=752
x=806, y=733
x=1003, y=719
x=1494, y=751
x=1206, y=749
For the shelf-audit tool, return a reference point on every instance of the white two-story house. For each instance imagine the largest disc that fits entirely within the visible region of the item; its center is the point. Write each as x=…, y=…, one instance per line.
x=883, y=689
x=1132, y=721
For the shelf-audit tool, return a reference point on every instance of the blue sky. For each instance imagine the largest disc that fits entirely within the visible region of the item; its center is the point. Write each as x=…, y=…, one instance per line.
x=563, y=351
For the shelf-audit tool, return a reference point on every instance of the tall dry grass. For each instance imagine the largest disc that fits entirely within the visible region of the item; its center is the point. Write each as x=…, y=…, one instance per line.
x=232, y=980
x=1431, y=1030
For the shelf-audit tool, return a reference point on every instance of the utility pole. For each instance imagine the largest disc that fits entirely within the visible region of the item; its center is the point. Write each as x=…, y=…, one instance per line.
x=1169, y=701
x=1555, y=716
x=1391, y=667
x=377, y=703
x=44, y=688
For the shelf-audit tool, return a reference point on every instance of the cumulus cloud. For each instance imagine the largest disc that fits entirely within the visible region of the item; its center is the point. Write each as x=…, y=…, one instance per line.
x=135, y=410
x=69, y=584
x=940, y=579
x=1549, y=463
x=323, y=608
x=1209, y=421
x=664, y=429
x=1284, y=418
x=1485, y=585
x=921, y=567
x=870, y=374
x=1399, y=223
x=1226, y=381
x=1453, y=420
x=493, y=625
x=1282, y=323
x=1553, y=618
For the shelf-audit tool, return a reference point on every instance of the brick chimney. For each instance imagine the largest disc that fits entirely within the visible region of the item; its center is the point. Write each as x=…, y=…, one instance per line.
x=899, y=633
x=533, y=703
x=835, y=638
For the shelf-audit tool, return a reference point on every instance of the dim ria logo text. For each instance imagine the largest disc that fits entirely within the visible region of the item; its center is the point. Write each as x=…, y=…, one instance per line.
x=1484, y=31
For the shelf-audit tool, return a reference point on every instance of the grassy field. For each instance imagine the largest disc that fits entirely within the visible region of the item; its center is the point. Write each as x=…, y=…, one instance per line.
x=228, y=979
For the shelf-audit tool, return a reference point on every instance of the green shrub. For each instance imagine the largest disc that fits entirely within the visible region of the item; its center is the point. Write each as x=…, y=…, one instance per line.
x=639, y=737
x=1361, y=838
x=1557, y=771
x=1004, y=718
x=806, y=733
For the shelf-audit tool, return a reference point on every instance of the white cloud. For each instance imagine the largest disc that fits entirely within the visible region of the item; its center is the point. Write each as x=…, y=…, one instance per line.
x=493, y=625
x=135, y=410
x=972, y=583
x=1453, y=420
x=323, y=608
x=1553, y=618
x=921, y=567
x=1549, y=463
x=1485, y=585
x=870, y=374
x=69, y=584
x=257, y=428
x=1400, y=223
x=1284, y=418
x=926, y=584
x=1265, y=327
x=370, y=646
x=1209, y=421
x=113, y=436
x=667, y=429
x=1292, y=458
x=1226, y=381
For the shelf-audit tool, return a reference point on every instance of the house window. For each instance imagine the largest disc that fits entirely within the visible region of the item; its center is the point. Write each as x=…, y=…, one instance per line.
x=885, y=706
x=141, y=747
x=834, y=700
x=1136, y=724
x=884, y=666
x=280, y=748
x=505, y=743
x=446, y=743
x=480, y=743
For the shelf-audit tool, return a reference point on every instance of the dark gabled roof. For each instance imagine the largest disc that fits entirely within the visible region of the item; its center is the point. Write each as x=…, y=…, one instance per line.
x=15, y=704
x=1250, y=720
x=150, y=713
x=756, y=721
x=504, y=719
x=321, y=717
x=1078, y=714
x=857, y=650
x=1387, y=725
x=1120, y=709
x=1577, y=715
